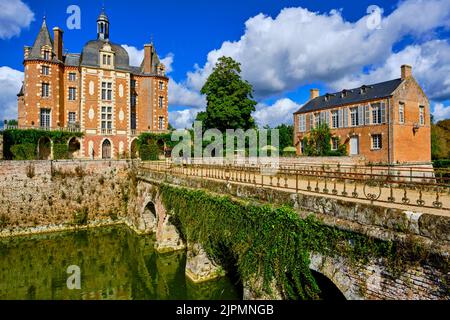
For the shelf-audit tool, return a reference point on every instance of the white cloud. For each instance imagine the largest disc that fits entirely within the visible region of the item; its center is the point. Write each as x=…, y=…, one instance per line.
x=14, y=16
x=183, y=119
x=180, y=95
x=300, y=47
x=431, y=68
x=280, y=112
x=441, y=112
x=136, y=56
x=10, y=84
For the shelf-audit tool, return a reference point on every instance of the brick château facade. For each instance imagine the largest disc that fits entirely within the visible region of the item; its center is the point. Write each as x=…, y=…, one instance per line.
x=387, y=122
x=96, y=92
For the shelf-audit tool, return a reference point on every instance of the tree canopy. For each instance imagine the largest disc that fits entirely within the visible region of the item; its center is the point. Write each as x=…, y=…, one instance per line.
x=229, y=98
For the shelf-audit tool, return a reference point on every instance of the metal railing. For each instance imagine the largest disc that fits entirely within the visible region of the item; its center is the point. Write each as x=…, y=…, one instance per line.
x=402, y=188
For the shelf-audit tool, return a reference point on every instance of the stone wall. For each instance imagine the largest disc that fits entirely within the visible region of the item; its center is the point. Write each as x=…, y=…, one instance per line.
x=1, y=146
x=424, y=276
x=37, y=196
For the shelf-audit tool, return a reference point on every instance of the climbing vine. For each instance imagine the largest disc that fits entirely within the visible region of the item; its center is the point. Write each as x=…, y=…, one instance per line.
x=270, y=243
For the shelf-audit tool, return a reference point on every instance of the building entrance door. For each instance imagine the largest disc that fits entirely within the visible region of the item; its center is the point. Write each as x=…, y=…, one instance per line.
x=106, y=150
x=354, y=145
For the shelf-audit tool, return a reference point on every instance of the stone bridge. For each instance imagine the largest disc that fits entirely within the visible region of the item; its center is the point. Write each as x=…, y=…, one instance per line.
x=427, y=275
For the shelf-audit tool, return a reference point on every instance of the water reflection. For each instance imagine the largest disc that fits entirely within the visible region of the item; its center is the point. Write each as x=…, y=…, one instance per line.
x=115, y=264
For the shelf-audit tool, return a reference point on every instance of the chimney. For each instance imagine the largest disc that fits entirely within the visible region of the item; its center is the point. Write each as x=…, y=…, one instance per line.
x=148, y=57
x=406, y=71
x=58, y=44
x=314, y=93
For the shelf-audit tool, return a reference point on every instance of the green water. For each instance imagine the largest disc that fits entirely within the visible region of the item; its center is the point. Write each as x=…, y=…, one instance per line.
x=114, y=262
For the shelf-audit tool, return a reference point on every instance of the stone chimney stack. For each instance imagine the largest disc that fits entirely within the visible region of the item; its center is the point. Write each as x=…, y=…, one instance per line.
x=148, y=58
x=314, y=93
x=58, y=43
x=406, y=71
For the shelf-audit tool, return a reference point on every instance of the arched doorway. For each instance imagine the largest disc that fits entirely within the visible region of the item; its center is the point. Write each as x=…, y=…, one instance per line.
x=133, y=149
x=328, y=290
x=44, y=148
x=74, y=148
x=106, y=149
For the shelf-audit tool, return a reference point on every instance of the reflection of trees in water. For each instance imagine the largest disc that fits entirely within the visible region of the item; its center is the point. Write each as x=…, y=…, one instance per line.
x=115, y=264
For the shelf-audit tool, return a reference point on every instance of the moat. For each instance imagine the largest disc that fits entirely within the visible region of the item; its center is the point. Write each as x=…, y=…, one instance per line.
x=115, y=263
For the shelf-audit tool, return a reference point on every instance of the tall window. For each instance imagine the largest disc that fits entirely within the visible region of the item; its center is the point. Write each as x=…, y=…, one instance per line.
x=377, y=142
x=45, y=118
x=316, y=120
x=376, y=114
x=45, y=70
x=401, y=113
x=133, y=83
x=106, y=120
x=311, y=121
x=72, y=94
x=302, y=122
x=334, y=143
x=161, y=102
x=421, y=115
x=334, y=119
x=354, y=117
x=133, y=120
x=72, y=118
x=161, y=85
x=45, y=90
x=72, y=76
x=133, y=100
x=161, y=123
x=107, y=91
x=46, y=55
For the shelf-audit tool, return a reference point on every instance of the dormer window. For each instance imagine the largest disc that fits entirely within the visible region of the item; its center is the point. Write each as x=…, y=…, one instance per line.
x=344, y=93
x=328, y=96
x=364, y=89
x=46, y=55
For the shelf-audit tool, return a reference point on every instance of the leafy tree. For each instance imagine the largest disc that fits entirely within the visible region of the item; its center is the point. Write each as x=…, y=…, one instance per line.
x=229, y=98
x=318, y=143
x=440, y=140
x=286, y=135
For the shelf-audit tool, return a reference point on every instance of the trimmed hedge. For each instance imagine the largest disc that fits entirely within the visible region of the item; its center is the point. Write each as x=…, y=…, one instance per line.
x=149, y=152
x=60, y=151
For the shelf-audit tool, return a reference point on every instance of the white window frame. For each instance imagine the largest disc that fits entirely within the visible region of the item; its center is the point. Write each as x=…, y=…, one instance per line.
x=376, y=114
x=161, y=123
x=106, y=91
x=302, y=122
x=401, y=113
x=72, y=117
x=107, y=119
x=377, y=142
x=354, y=117
x=72, y=76
x=45, y=90
x=422, y=115
x=334, y=143
x=47, y=70
x=45, y=118
x=334, y=119
x=72, y=93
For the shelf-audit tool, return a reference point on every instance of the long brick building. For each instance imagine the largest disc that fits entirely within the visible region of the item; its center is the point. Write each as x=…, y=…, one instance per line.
x=96, y=92
x=387, y=122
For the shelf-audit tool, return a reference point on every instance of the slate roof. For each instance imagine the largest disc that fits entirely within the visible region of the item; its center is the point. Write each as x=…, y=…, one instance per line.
x=90, y=56
x=42, y=39
x=353, y=96
x=72, y=59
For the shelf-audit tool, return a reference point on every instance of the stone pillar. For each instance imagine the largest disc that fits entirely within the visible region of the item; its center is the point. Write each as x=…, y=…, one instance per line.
x=199, y=268
x=167, y=236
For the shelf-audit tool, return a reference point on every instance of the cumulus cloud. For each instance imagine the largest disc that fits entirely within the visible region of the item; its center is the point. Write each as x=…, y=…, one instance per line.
x=180, y=95
x=183, y=119
x=14, y=16
x=299, y=46
x=137, y=55
x=280, y=112
x=10, y=84
x=441, y=112
x=431, y=68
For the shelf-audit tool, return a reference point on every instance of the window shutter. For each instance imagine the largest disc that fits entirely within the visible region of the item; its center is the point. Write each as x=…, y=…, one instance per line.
x=345, y=118
x=383, y=112
x=340, y=118
x=311, y=121
x=367, y=112
x=361, y=115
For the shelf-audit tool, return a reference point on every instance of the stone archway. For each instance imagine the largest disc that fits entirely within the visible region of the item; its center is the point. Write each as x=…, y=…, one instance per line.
x=44, y=148
x=74, y=147
x=106, y=150
x=134, y=154
x=149, y=217
x=328, y=290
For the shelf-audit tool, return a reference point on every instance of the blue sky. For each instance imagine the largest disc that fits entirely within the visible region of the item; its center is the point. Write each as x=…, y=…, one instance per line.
x=285, y=47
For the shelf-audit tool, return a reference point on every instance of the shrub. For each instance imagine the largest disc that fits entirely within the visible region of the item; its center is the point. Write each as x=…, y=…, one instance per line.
x=25, y=151
x=60, y=151
x=149, y=152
